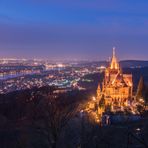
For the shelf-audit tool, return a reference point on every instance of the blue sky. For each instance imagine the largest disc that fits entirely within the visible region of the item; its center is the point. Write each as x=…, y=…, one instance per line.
x=68, y=29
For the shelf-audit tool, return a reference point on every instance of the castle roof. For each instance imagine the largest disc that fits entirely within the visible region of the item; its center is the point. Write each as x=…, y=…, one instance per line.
x=119, y=80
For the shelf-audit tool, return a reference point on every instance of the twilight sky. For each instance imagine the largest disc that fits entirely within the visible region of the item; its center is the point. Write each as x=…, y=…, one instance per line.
x=74, y=29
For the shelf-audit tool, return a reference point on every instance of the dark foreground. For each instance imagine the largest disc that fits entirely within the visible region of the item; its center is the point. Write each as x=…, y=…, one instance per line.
x=43, y=118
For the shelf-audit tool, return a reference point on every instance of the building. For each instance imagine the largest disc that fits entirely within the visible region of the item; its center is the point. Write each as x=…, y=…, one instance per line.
x=116, y=88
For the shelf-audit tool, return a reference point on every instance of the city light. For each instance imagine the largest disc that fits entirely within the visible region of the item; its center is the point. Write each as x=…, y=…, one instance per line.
x=94, y=98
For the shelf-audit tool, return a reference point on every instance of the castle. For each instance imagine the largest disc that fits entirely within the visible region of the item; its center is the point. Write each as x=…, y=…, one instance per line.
x=116, y=88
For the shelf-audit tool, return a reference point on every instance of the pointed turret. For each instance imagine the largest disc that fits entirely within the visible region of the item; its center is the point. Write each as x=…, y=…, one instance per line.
x=99, y=91
x=99, y=88
x=114, y=63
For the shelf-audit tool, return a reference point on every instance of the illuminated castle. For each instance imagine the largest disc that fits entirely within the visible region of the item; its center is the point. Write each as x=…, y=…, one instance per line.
x=116, y=88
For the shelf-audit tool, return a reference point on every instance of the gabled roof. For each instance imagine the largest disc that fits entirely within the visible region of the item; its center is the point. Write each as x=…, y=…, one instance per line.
x=119, y=80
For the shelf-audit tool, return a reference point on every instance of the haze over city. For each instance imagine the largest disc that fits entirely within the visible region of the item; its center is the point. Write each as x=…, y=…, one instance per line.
x=69, y=30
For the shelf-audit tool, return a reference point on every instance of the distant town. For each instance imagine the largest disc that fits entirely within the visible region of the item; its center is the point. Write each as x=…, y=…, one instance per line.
x=18, y=74
x=26, y=74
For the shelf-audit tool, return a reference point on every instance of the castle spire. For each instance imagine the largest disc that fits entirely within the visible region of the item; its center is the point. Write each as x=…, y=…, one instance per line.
x=114, y=63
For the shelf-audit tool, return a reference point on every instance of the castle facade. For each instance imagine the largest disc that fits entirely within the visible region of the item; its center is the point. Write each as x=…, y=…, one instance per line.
x=116, y=88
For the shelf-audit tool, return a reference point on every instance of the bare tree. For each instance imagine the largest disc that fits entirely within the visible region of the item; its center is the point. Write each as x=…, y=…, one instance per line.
x=55, y=113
